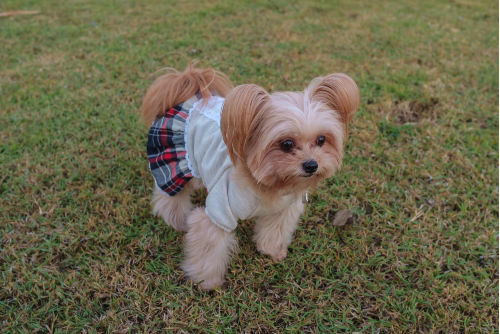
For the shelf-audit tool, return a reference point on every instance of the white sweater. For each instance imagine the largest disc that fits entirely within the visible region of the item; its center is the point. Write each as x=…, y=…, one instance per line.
x=208, y=159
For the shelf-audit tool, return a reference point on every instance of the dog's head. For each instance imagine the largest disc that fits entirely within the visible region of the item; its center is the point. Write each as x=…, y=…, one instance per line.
x=290, y=140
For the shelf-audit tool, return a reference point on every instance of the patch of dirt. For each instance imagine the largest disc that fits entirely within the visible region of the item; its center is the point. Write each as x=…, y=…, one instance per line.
x=368, y=208
x=415, y=110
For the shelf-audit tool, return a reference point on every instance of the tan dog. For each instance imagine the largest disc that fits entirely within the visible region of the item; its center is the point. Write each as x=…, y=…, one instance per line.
x=256, y=153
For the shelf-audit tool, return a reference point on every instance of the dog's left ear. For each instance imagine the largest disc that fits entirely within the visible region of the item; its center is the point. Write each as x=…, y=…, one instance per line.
x=339, y=92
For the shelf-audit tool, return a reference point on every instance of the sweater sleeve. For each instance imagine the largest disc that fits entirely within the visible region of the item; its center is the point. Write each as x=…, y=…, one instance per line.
x=227, y=202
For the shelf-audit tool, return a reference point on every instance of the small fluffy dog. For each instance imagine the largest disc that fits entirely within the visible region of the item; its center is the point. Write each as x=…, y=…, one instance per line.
x=256, y=153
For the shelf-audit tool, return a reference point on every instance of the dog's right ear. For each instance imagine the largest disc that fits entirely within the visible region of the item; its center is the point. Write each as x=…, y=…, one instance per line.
x=241, y=115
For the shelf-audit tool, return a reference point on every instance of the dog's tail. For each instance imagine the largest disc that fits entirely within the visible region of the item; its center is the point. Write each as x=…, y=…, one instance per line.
x=173, y=88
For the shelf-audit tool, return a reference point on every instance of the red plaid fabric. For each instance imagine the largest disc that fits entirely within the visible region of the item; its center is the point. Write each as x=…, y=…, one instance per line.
x=166, y=149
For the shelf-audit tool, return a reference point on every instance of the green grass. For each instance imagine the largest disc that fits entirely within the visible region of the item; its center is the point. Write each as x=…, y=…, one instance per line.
x=80, y=250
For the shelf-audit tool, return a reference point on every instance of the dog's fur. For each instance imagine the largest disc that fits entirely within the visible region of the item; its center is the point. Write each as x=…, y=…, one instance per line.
x=254, y=124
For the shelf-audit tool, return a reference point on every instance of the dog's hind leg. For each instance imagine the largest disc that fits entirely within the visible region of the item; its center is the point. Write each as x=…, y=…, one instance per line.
x=174, y=209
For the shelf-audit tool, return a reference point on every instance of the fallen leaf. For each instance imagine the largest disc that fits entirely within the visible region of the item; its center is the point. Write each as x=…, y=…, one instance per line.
x=344, y=217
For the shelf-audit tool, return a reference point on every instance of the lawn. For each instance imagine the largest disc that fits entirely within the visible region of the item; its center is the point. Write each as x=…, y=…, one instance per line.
x=80, y=250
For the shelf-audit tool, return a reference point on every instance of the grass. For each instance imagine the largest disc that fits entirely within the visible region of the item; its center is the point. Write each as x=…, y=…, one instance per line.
x=81, y=252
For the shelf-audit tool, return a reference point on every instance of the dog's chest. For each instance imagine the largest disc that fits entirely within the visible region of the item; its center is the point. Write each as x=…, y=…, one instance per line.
x=266, y=207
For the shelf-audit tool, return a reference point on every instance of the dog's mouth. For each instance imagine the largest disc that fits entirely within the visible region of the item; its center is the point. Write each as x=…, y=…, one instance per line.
x=307, y=175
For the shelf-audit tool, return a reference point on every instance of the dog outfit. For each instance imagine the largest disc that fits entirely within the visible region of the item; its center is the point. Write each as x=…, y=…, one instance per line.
x=186, y=142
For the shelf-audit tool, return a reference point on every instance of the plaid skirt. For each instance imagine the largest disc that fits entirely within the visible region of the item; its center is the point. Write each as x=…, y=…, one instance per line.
x=166, y=148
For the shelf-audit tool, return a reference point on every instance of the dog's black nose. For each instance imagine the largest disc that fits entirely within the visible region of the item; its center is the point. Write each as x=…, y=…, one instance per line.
x=310, y=166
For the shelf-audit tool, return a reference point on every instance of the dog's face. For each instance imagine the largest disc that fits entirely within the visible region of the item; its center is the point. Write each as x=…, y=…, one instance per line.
x=290, y=140
x=297, y=142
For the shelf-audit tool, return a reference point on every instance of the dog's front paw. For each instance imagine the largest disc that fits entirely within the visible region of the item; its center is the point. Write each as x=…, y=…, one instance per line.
x=211, y=284
x=276, y=254
x=277, y=257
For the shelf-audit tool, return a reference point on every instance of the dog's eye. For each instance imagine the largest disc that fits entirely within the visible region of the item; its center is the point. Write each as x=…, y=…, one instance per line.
x=287, y=145
x=320, y=140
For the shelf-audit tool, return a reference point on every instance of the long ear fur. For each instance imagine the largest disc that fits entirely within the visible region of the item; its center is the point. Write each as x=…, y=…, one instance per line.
x=339, y=92
x=241, y=115
x=170, y=89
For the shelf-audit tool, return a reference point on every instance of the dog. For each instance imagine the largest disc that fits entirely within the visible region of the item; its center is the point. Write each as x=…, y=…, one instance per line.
x=256, y=153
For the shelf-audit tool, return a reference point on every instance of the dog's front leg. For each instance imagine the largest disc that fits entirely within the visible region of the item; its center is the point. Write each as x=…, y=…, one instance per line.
x=273, y=233
x=208, y=250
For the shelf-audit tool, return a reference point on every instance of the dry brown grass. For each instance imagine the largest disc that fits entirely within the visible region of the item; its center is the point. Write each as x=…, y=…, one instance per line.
x=80, y=250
